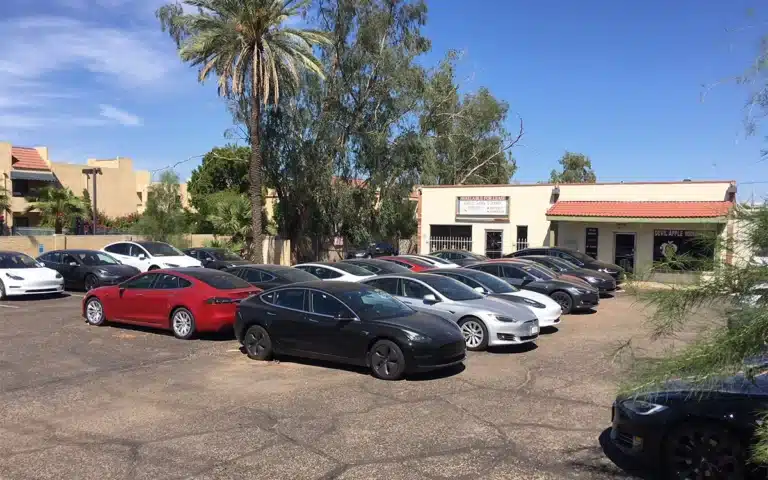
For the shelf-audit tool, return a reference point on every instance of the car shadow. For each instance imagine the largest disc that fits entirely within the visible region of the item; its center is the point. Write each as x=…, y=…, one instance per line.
x=36, y=298
x=589, y=311
x=414, y=377
x=628, y=464
x=508, y=349
x=549, y=330
x=607, y=295
x=225, y=335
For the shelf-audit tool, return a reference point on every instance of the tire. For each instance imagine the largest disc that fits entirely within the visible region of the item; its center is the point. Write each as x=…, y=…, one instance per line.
x=257, y=343
x=703, y=450
x=94, y=312
x=2, y=290
x=90, y=282
x=475, y=333
x=183, y=323
x=564, y=299
x=387, y=360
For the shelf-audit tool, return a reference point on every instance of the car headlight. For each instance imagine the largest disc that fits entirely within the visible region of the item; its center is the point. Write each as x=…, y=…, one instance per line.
x=583, y=291
x=171, y=265
x=642, y=407
x=533, y=303
x=416, y=337
x=58, y=275
x=608, y=271
x=101, y=271
x=502, y=318
x=14, y=277
x=591, y=279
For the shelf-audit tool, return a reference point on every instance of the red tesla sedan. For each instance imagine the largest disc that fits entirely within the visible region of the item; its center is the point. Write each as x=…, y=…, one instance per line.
x=183, y=300
x=413, y=264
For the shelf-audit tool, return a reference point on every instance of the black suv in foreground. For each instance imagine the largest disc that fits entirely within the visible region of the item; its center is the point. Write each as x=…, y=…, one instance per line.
x=579, y=259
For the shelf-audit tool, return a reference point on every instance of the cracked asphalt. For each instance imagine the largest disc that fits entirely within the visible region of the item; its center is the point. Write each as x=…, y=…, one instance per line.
x=125, y=403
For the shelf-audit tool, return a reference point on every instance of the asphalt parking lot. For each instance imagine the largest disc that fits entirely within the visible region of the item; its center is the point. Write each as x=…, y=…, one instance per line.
x=116, y=402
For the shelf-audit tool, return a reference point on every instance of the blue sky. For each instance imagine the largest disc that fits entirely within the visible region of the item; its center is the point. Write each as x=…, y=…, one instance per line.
x=619, y=81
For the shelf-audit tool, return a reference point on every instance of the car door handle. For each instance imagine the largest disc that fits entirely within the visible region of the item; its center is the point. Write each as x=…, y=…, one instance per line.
x=313, y=320
x=271, y=314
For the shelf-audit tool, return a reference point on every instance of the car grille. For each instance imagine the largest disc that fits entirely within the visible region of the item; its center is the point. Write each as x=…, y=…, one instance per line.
x=623, y=439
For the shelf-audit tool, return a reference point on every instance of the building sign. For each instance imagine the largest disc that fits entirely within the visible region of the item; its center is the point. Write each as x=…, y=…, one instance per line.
x=590, y=245
x=682, y=249
x=489, y=208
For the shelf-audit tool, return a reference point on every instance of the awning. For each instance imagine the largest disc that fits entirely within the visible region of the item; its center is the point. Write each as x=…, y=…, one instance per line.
x=40, y=176
x=640, y=212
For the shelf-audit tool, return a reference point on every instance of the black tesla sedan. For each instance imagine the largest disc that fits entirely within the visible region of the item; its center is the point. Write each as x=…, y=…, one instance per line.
x=377, y=267
x=579, y=259
x=528, y=276
x=350, y=323
x=459, y=257
x=216, y=258
x=373, y=250
x=693, y=434
x=87, y=269
x=601, y=281
x=270, y=276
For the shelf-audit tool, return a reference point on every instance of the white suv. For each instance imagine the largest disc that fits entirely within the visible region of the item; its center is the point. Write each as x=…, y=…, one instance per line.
x=150, y=255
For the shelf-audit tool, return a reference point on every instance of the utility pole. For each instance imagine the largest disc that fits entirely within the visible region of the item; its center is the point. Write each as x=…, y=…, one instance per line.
x=92, y=173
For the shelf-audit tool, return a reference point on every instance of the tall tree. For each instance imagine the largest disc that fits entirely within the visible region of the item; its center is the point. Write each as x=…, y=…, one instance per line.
x=57, y=207
x=255, y=55
x=468, y=141
x=231, y=216
x=576, y=168
x=163, y=218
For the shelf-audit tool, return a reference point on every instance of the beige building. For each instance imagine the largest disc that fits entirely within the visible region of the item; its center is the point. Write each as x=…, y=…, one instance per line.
x=631, y=224
x=121, y=190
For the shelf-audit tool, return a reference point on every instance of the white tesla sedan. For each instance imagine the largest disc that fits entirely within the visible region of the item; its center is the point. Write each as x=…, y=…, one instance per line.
x=546, y=310
x=22, y=275
x=343, y=272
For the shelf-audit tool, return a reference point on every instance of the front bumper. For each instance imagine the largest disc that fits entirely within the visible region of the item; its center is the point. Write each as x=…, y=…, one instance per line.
x=584, y=301
x=508, y=333
x=639, y=436
x=604, y=286
x=424, y=359
x=548, y=317
x=13, y=289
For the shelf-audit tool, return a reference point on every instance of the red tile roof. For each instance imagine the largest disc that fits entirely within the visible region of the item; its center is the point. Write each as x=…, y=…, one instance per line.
x=28, y=158
x=640, y=209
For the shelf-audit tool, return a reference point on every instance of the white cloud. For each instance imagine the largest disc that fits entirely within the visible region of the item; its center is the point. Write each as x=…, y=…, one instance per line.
x=120, y=116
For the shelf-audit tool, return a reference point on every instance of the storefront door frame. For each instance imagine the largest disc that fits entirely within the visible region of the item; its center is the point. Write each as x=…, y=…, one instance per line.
x=616, y=259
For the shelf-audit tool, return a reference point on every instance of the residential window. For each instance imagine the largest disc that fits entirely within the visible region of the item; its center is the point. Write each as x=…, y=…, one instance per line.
x=522, y=237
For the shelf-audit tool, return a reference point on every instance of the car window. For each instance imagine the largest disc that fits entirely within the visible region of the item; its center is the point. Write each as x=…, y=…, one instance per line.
x=324, y=304
x=412, y=289
x=53, y=257
x=191, y=253
x=143, y=281
x=293, y=298
x=118, y=248
x=321, y=272
x=136, y=250
x=535, y=251
x=268, y=298
x=388, y=285
x=492, y=269
x=465, y=280
x=512, y=272
x=252, y=275
x=17, y=260
x=370, y=268
x=568, y=257
x=66, y=259
x=160, y=249
x=166, y=282
x=352, y=269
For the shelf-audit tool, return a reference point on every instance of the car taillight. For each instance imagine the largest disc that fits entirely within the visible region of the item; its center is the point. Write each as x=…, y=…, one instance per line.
x=221, y=300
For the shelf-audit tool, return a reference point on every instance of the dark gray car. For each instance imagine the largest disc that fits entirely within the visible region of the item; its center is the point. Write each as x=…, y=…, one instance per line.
x=459, y=257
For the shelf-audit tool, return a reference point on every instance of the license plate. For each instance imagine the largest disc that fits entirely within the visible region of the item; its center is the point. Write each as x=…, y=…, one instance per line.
x=534, y=330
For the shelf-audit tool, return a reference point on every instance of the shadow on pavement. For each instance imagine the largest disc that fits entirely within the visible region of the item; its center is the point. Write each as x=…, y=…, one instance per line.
x=37, y=298
x=507, y=349
x=607, y=295
x=549, y=330
x=222, y=336
x=590, y=311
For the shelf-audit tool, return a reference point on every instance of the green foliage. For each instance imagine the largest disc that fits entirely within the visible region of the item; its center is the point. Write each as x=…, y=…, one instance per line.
x=230, y=214
x=722, y=346
x=468, y=143
x=57, y=207
x=222, y=169
x=5, y=201
x=164, y=218
x=576, y=168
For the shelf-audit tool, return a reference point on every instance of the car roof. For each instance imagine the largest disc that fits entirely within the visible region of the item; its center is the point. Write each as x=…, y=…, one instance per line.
x=267, y=267
x=460, y=271
x=75, y=250
x=194, y=272
x=10, y=252
x=325, y=264
x=372, y=261
x=415, y=276
x=329, y=286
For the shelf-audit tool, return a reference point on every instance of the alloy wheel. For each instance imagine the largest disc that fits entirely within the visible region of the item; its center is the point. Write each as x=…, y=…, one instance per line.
x=94, y=312
x=256, y=343
x=704, y=453
x=473, y=333
x=385, y=360
x=564, y=300
x=182, y=323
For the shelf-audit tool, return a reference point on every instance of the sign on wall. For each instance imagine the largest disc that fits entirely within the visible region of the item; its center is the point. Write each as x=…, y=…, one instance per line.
x=681, y=247
x=590, y=245
x=490, y=208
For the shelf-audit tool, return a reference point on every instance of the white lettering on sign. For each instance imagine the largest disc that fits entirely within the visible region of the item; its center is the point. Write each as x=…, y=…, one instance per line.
x=483, y=206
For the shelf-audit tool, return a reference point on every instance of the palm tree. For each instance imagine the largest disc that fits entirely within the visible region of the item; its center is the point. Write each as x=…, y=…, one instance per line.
x=249, y=46
x=231, y=216
x=57, y=207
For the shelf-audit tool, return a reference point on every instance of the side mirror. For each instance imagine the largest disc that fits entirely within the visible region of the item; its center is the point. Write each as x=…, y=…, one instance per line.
x=430, y=299
x=142, y=256
x=72, y=264
x=479, y=289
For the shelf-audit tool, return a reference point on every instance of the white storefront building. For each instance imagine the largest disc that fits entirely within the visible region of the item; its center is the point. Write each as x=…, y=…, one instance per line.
x=625, y=223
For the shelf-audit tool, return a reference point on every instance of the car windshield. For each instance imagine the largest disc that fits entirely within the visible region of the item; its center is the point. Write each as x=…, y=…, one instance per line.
x=437, y=260
x=495, y=284
x=160, y=249
x=17, y=260
x=451, y=289
x=223, y=255
x=373, y=304
x=564, y=264
x=352, y=269
x=416, y=261
x=539, y=271
x=579, y=256
x=96, y=258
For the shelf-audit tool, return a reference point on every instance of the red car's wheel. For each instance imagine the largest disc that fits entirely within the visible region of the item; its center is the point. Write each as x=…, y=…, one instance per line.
x=94, y=312
x=183, y=323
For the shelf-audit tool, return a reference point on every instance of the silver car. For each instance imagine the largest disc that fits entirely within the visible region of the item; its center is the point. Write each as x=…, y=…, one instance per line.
x=484, y=321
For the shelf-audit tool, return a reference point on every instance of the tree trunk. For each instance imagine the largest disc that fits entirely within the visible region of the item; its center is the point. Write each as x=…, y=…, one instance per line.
x=254, y=178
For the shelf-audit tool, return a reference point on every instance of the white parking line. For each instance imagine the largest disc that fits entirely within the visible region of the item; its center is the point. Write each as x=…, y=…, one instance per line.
x=8, y=306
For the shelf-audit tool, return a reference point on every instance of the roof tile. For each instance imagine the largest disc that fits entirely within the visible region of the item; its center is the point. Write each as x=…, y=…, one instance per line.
x=27, y=158
x=640, y=209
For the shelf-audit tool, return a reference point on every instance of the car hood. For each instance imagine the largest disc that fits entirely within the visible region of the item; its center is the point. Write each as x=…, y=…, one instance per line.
x=535, y=296
x=563, y=282
x=501, y=307
x=34, y=274
x=680, y=391
x=585, y=272
x=180, y=260
x=433, y=326
x=598, y=264
x=117, y=270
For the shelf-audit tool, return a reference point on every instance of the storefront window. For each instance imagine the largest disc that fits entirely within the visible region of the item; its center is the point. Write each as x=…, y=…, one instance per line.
x=683, y=250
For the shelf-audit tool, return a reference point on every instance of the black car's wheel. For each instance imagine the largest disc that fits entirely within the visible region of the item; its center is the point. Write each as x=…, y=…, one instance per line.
x=94, y=312
x=564, y=299
x=704, y=451
x=257, y=343
x=91, y=282
x=153, y=267
x=387, y=360
x=183, y=323
x=475, y=333
x=2, y=290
